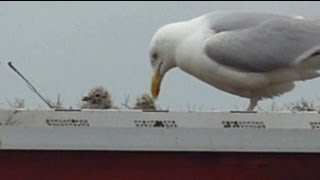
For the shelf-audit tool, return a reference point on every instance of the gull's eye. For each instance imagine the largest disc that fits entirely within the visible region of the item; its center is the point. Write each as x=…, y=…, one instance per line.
x=155, y=55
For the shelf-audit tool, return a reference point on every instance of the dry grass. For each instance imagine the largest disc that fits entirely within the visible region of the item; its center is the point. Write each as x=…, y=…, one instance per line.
x=146, y=102
x=302, y=105
x=16, y=103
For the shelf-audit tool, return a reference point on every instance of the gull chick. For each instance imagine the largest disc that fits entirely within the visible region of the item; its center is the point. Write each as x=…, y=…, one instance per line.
x=145, y=101
x=98, y=98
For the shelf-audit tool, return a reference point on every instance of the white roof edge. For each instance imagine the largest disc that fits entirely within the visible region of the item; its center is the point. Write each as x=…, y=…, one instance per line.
x=135, y=130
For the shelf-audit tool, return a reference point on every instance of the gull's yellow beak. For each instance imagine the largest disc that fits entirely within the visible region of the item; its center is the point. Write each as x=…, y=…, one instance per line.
x=156, y=84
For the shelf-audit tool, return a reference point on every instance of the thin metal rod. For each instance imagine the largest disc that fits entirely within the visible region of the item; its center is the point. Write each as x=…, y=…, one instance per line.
x=30, y=85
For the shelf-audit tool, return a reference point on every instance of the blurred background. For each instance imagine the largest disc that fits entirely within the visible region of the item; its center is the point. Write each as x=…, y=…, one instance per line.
x=68, y=48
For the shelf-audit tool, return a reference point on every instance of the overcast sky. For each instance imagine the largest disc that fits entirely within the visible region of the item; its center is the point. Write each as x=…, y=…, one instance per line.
x=70, y=47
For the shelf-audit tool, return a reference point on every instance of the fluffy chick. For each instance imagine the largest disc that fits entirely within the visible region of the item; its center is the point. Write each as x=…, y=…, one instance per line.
x=98, y=98
x=145, y=101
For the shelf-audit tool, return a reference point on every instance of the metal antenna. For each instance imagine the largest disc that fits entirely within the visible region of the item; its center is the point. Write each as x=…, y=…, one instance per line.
x=31, y=87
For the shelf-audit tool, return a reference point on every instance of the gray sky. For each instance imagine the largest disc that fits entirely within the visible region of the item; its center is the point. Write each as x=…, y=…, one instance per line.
x=70, y=47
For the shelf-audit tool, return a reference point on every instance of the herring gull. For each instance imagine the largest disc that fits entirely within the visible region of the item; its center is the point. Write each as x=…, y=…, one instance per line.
x=251, y=55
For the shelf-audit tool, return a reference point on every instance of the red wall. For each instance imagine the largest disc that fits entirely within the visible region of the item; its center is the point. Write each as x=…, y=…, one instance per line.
x=105, y=165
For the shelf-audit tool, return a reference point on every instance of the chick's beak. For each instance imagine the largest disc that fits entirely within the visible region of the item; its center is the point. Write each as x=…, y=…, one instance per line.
x=86, y=98
x=155, y=85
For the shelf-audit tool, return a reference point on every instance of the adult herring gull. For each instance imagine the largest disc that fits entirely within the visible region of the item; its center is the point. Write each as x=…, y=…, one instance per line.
x=252, y=55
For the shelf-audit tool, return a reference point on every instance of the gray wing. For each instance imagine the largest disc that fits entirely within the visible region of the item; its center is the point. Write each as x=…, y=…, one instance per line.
x=266, y=45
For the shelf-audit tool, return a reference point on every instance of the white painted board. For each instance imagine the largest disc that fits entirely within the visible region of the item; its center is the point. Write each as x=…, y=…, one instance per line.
x=159, y=131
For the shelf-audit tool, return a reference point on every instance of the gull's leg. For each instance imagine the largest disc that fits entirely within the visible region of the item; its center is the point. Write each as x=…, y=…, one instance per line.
x=253, y=104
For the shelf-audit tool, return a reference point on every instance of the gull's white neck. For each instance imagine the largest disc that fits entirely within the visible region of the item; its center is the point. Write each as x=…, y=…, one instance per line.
x=189, y=52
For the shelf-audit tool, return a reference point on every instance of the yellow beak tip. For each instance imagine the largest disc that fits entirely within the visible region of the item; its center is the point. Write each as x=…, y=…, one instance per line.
x=155, y=87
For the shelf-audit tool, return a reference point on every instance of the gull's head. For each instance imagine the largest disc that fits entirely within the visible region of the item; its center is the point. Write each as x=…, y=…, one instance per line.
x=163, y=52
